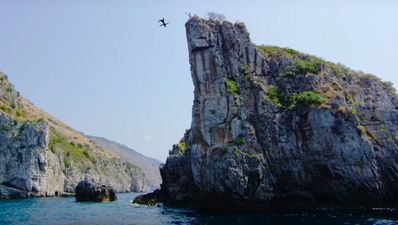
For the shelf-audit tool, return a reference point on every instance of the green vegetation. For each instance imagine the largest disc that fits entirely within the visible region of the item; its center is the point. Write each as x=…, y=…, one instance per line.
x=302, y=63
x=362, y=130
x=238, y=141
x=237, y=154
x=307, y=98
x=304, y=67
x=12, y=111
x=302, y=99
x=353, y=110
x=182, y=146
x=6, y=109
x=18, y=113
x=338, y=70
x=73, y=153
x=247, y=74
x=278, y=51
x=358, y=103
x=9, y=89
x=233, y=87
x=276, y=96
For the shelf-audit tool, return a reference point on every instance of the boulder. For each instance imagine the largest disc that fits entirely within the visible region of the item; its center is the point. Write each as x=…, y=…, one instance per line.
x=150, y=199
x=10, y=193
x=90, y=191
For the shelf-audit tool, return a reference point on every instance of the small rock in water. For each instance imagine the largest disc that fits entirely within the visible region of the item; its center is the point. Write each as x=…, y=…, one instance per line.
x=150, y=199
x=90, y=191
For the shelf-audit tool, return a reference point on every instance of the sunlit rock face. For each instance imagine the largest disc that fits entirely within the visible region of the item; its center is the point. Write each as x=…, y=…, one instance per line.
x=274, y=128
x=41, y=156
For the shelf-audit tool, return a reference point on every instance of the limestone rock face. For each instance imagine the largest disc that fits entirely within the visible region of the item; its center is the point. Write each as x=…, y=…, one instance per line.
x=274, y=128
x=41, y=156
x=89, y=191
x=25, y=163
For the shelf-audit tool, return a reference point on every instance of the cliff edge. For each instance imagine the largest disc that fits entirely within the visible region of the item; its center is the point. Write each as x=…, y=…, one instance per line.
x=274, y=128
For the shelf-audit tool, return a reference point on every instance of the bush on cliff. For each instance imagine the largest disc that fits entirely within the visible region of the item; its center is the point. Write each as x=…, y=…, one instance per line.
x=307, y=98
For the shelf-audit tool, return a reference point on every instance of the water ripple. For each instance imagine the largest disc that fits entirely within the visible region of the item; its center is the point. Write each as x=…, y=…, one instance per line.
x=65, y=211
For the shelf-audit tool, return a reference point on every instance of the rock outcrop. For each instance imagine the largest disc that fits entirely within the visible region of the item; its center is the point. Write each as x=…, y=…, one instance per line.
x=273, y=128
x=41, y=156
x=89, y=191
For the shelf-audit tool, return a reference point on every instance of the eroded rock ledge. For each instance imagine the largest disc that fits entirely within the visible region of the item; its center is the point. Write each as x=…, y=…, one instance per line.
x=273, y=128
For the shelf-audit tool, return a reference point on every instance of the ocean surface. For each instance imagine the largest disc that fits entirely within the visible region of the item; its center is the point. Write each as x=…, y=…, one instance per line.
x=54, y=211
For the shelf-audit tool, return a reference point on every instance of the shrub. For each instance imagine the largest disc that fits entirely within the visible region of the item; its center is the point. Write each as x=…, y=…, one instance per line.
x=18, y=113
x=307, y=98
x=85, y=153
x=237, y=154
x=233, y=87
x=182, y=146
x=247, y=74
x=276, y=96
x=306, y=66
x=353, y=110
x=361, y=129
x=337, y=70
x=238, y=141
x=5, y=109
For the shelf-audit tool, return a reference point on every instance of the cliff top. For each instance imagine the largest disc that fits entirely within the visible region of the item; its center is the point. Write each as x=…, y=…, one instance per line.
x=293, y=72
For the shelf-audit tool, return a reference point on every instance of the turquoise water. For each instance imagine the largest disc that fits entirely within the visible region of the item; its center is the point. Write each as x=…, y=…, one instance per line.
x=53, y=211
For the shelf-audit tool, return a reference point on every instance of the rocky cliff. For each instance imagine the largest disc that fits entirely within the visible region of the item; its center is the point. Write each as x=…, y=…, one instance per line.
x=41, y=156
x=273, y=128
x=148, y=165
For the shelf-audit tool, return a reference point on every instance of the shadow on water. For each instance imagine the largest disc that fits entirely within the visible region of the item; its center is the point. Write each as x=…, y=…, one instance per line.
x=66, y=211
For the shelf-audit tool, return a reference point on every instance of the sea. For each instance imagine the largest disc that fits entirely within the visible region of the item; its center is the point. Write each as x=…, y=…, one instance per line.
x=66, y=211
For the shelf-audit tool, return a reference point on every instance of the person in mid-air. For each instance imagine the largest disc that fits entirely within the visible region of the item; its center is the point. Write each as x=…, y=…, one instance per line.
x=163, y=23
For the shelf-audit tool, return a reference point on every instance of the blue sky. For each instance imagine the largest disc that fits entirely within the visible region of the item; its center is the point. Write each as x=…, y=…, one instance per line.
x=107, y=69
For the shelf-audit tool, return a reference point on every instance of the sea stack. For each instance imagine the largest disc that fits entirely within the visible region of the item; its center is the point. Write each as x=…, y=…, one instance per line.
x=273, y=128
x=90, y=191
